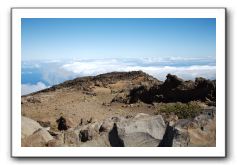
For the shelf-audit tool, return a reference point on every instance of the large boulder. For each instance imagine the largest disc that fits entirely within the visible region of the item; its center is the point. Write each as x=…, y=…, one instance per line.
x=197, y=132
x=142, y=130
x=32, y=134
x=40, y=138
x=28, y=126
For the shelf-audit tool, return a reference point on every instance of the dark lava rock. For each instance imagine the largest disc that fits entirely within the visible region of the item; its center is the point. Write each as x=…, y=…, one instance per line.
x=172, y=81
x=175, y=89
x=139, y=93
x=84, y=135
x=62, y=124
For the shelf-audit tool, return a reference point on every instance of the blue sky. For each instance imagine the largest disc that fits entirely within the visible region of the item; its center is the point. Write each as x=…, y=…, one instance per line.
x=89, y=38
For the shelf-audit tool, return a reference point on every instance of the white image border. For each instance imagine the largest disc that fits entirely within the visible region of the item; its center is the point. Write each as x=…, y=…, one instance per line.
x=218, y=151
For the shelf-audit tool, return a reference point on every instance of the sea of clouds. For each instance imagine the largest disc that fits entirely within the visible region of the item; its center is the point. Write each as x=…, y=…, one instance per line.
x=38, y=75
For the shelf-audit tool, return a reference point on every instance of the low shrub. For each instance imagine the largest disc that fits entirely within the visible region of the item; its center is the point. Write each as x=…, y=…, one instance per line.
x=182, y=110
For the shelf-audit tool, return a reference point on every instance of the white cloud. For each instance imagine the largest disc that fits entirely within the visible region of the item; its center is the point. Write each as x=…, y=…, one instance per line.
x=95, y=67
x=29, y=88
x=54, y=72
x=29, y=65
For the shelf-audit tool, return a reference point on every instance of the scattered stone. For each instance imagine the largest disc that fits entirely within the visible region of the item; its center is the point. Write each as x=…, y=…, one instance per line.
x=142, y=130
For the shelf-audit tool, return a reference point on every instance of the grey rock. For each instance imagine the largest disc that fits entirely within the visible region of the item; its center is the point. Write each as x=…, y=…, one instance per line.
x=32, y=134
x=40, y=138
x=101, y=141
x=152, y=125
x=28, y=126
x=143, y=130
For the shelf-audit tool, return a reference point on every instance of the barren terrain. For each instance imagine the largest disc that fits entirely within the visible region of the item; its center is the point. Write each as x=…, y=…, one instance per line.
x=84, y=101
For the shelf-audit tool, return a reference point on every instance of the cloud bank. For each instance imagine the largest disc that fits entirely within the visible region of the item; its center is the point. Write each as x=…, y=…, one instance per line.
x=30, y=88
x=38, y=75
x=158, y=69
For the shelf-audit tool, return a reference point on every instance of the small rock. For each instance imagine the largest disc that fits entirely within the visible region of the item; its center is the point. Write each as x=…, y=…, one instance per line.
x=90, y=120
x=84, y=135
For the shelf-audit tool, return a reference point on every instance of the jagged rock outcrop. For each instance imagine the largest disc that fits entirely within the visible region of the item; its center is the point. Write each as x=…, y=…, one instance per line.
x=173, y=89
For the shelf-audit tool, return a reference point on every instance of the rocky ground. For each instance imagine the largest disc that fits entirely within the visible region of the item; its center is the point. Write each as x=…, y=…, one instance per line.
x=121, y=109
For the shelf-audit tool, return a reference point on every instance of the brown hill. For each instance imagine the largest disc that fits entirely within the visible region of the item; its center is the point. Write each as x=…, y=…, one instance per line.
x=94, y=99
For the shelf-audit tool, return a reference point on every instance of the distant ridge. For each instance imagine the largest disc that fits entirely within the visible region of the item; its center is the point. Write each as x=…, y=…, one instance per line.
x=142, y=87
x=103, y=79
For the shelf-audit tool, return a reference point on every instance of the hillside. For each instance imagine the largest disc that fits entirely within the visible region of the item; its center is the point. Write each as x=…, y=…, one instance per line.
x=121, y=97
